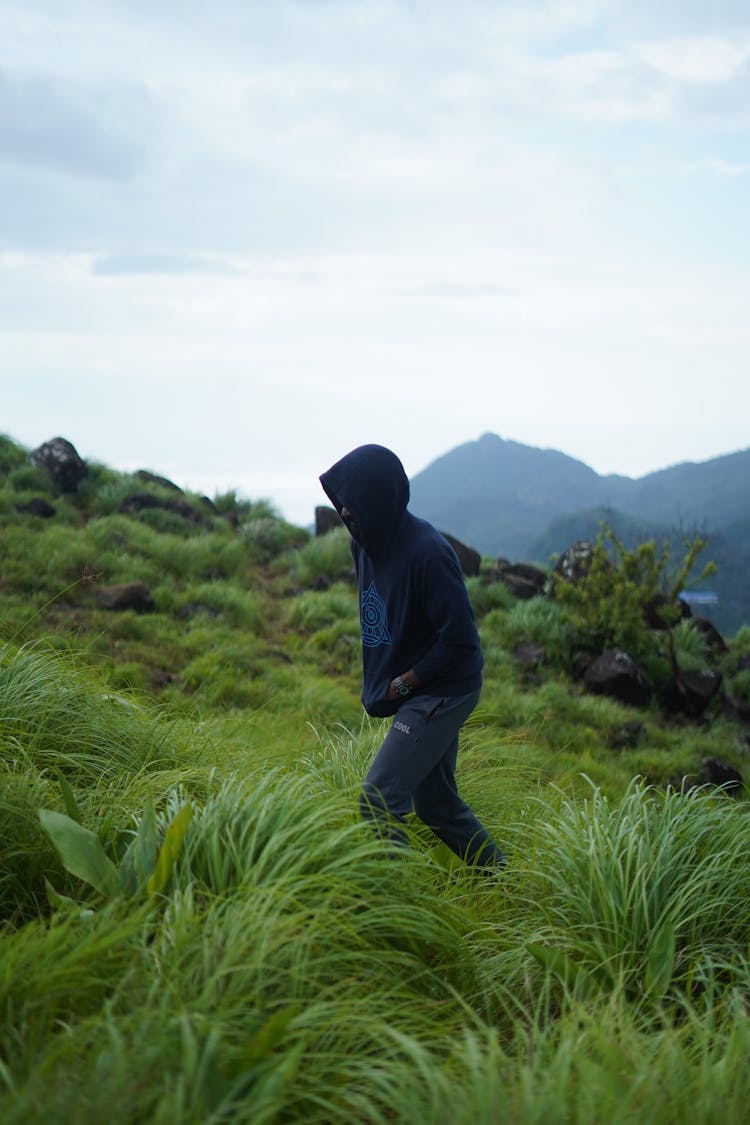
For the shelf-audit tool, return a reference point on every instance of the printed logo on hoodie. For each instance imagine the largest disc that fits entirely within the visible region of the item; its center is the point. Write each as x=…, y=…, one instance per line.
x=374, y=619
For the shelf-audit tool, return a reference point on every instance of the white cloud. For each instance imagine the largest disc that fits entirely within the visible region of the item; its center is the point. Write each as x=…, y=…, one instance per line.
x=242, y=237
x=717, y=167
x=708, y=59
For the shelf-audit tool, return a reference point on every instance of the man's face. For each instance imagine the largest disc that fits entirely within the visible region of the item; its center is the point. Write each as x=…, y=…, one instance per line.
x=351, y=524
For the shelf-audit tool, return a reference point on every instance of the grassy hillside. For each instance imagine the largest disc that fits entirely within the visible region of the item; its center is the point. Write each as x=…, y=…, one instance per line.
x=198, y=928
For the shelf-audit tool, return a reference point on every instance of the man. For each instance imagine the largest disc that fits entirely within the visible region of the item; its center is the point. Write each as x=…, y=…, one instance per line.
x=421, y=656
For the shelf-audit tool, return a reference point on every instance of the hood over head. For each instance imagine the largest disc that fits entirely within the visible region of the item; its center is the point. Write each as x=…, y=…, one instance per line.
x=371, y=482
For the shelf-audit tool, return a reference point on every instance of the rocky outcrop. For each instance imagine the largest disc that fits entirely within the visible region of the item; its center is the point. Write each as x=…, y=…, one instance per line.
x=575, y=562
x=715, y=643
x=126, y=595
x=38, y=506
x=60, y=459
x=660, y=612
x=469, y=559
x=141, y=501
x=522, y=579
x=153, y=478
x=692, y=692
x=628, y=735
x=615, y=674
x=326, y=519
x=716, y=772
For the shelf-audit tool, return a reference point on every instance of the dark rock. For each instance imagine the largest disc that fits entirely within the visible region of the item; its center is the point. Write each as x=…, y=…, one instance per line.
x=716, y=772
x=742, y=744
x=693, y=692
x=162, y=679
x=325, y=581
x=127, y=595
x=191, y=609
x=522, y=579
x=686, y=784
x=737, y=709
x=677, y=610
x=711, y=635
x=141, y=501
x=153, y=478
x=628, y=735
x=326, y=519
x=519, y=587
x=61, y=461
x=616, y=674
x=528, y=654
x=208, y=503
x=575, y=562
x=469, y=559
x=525, y=570
x=580, y=664
x=37, y=507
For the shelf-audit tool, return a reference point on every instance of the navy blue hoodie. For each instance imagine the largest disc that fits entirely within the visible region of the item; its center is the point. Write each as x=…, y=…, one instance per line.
x=415, y=612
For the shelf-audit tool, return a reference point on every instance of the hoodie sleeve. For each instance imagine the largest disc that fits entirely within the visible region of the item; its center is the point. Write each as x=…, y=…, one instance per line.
x=445, y=603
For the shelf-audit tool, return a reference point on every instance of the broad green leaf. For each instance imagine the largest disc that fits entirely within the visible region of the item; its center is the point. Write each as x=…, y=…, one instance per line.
x=661, y=955
x=81, y=852
x=140, y=858
x=170, y=849
x=58, y=901
x=71, y=805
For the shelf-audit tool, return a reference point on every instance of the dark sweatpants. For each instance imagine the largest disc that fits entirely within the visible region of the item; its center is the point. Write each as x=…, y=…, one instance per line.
x=415, y=766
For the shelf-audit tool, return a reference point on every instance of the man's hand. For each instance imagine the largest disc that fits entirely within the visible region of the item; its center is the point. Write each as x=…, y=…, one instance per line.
x=408, y=678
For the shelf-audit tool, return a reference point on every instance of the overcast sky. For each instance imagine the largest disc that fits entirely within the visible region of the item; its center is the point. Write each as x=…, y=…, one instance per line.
x=240, y=237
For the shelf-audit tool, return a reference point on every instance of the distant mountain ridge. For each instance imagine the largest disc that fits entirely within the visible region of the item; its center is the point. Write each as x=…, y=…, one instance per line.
x=515, y=501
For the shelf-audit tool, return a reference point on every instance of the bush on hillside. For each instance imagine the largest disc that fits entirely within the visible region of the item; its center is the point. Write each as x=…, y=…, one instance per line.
x=269, y=536
x=323, y=560
x=624, y=594
x=11, y=455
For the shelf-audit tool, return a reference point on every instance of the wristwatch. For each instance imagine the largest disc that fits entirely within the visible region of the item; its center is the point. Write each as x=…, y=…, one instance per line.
x=401, y=686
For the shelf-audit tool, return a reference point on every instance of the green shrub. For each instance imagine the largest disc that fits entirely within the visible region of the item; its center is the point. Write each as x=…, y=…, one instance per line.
x=611, y=604
x=486, y=596
x=28, y=478
x=323, y=560
x=314, y=610
x=539, y=620
x=12, y=456
x=739, y=686
x=268, y=536
x=228, y=674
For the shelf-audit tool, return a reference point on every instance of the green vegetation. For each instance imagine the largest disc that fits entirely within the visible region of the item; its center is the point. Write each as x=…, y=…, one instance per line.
x=196, y=927
x=630, y=599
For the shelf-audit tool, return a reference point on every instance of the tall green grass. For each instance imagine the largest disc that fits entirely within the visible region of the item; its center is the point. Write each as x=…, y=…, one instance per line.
x=286, y=966
x=650, y=893
x=296, y=971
